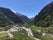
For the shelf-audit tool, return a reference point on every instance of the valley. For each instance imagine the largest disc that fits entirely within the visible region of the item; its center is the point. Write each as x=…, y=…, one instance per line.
x=19, y=30
x=15, y=26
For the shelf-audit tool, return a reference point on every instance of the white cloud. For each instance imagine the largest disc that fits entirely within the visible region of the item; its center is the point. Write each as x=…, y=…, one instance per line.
x=30, y=16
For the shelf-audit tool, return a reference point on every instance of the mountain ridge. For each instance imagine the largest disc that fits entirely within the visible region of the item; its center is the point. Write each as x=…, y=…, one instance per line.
x=13, y=17
x=45, y=16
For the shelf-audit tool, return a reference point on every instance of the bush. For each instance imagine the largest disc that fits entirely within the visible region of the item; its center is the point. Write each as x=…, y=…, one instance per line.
x=37, y=34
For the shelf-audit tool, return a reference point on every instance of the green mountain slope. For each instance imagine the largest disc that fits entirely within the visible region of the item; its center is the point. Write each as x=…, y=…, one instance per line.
x=9, y=17
x=45, y=17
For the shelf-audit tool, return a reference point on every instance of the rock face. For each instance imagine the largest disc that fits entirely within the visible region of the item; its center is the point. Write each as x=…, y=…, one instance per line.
x=45, y=17
x=9, y=17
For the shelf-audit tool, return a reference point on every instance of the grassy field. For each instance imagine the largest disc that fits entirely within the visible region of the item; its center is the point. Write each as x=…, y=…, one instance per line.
x=37, y=32
x=21, y=35
x=47, y=37
x=3, y=36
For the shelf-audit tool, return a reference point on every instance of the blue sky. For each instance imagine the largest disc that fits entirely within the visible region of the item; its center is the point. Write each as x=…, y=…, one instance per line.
x=29, y=8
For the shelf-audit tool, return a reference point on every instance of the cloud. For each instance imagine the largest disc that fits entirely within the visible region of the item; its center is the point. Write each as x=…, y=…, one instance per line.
x=30, y=16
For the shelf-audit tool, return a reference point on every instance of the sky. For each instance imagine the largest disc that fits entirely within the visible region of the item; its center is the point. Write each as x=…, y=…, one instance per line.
x=29, y=8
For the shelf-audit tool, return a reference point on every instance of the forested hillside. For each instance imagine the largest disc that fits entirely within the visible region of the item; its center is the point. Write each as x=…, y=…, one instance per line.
x=45, y=16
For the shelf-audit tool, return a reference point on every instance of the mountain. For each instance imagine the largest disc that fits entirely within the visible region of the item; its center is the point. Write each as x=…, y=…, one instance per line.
x=24, y=18
x=45, y=16
x=32, y=18
x=9, y=17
